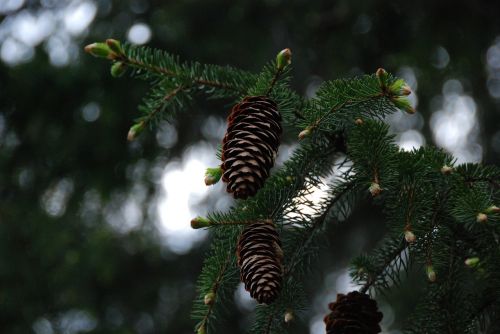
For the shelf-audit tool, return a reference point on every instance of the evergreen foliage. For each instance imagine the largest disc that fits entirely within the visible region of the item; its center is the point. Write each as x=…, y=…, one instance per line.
x=439, y=215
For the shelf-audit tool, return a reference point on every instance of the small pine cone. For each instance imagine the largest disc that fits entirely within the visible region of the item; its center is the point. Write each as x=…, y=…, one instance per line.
x=260, y=261
x=354, y=313
x=250, y=145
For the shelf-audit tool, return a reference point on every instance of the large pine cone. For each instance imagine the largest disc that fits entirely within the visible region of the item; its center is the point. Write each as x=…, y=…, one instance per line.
x=250, y=145
x=260, y=260
x=354, y=313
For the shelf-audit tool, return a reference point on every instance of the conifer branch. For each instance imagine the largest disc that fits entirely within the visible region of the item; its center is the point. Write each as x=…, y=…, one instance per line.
x=283, y=59
x=273, y=82
x=215, y=287
x=494, y=183
x=317, y=223
x=337, y=108
x=269, y=322
x=303, y=243
x=136, y=63
x=452, y=210
x=169, y=96
x=372, y=277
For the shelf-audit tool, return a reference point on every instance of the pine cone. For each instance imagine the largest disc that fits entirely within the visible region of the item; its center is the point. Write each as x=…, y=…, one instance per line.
x=354, y=313
x=259, y=258
x=250, y=145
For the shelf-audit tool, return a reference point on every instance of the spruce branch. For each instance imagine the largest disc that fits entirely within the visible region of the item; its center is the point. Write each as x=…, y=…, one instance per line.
x=337, y=108
x=391, y=262
x=136, y=62
x=316, y=224
x=213, y=290
x=219, y=276
x=152, y=115
x=299, y=257
x=283, y=59
x=447, y=213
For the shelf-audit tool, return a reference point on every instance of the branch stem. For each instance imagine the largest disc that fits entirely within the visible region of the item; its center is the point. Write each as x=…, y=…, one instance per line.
x=373, y=278
x=163, y=71
x=341, y=105
x=166, y=98
x=214, y=289
x=275, y=79
x=295, y=258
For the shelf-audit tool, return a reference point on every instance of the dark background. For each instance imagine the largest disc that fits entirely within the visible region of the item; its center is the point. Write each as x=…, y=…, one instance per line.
x=71, y=257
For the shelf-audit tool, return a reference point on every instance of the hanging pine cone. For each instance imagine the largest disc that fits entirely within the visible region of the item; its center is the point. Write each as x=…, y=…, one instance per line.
x=354, y=313
x=250, y=145
x=260, y=260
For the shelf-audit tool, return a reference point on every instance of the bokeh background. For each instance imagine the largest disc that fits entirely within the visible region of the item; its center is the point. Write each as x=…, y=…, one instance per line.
x=94, y=230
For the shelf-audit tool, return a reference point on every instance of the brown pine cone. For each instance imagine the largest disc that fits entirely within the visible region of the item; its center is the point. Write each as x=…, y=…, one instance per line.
x=250, y=145
x=354, y=313
x=260, y=260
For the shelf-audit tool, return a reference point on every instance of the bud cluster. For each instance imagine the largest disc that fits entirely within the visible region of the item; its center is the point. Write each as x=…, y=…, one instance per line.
x=396, y=90
x=111, y=49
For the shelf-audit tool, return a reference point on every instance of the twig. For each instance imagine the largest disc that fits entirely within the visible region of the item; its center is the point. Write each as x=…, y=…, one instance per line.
x=295, y=259
x=373, y=278
x=166, y=98
x=215, y=287
x=341, y=105
x=318, y=222
x=200, y=81
x=275, y=79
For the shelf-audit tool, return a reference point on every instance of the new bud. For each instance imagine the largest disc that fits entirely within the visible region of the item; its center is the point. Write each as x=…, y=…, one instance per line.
x=472, y=262
x=289, y=317
x=375, y=189
x=100, y=50
x=200, y=222
x=431, y=274
x=201, y=330
x=304, y=133
x=493, y=209
x=446, y=170
x=405, y=90
x=382, y=76
x=114, y=46
x=283, y=58
x=118, y=69
x=481, y=218
x=209, y=298
x=135, y=130
x=212, y=175
x=403, y=103
x=410, y=237
x=399, y=88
